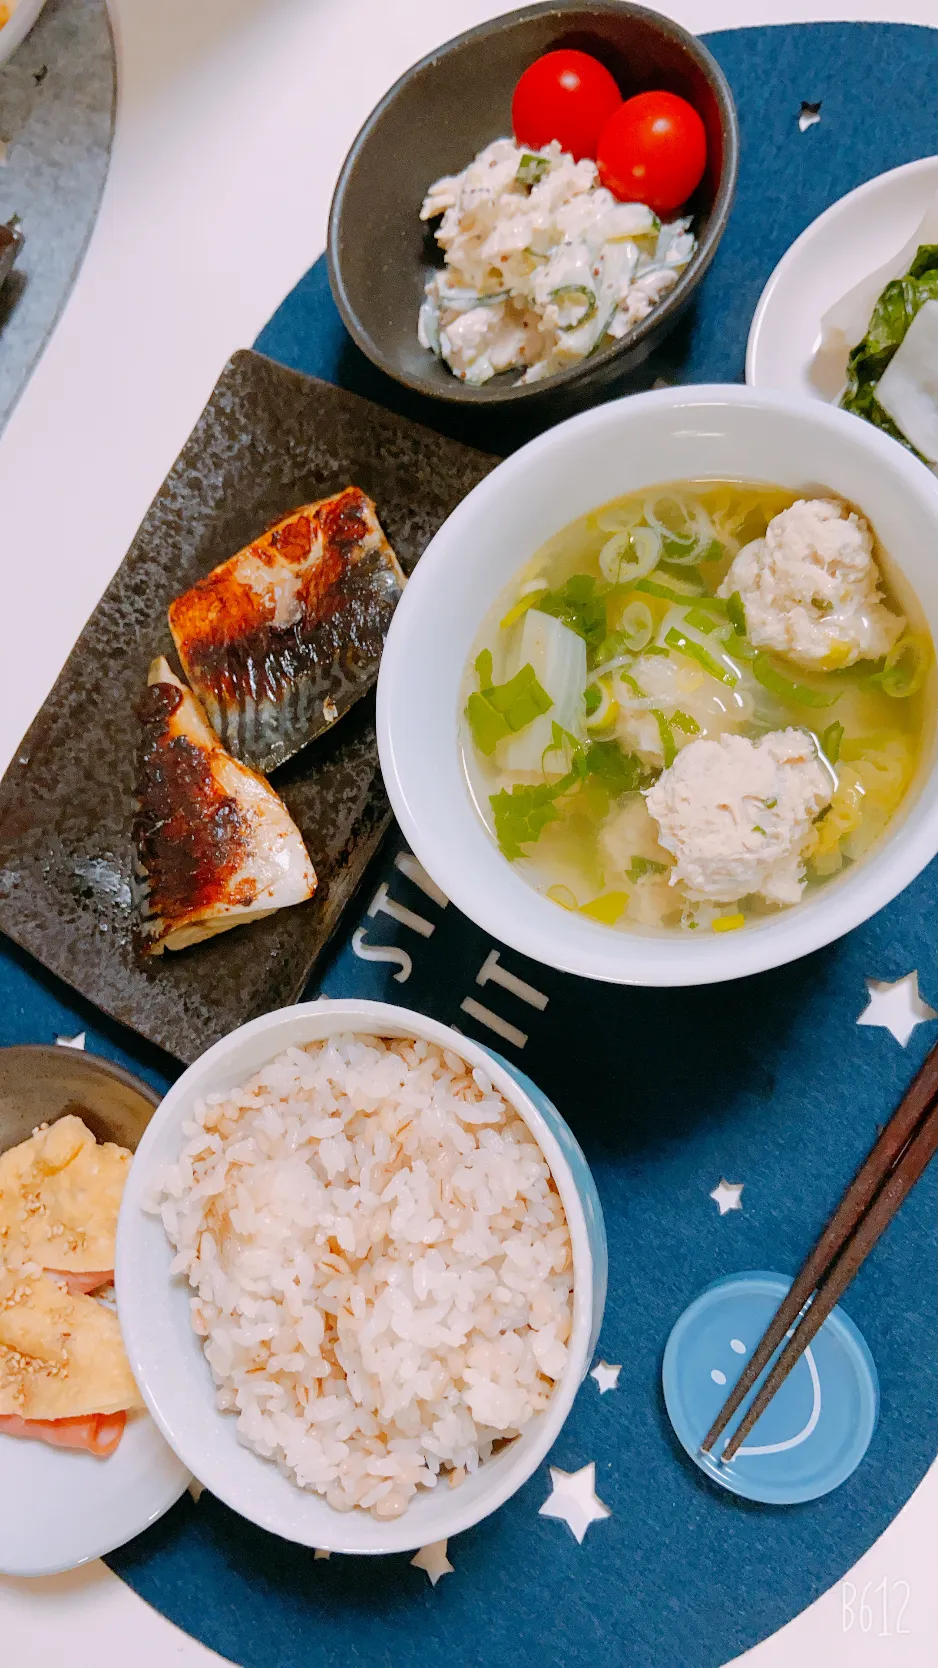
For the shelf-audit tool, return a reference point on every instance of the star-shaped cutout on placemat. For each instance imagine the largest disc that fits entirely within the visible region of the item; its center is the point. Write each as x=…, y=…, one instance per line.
x=78, y=1041
x=574, y=1499
x=726, y=1196
x=606, y=1375
x=809, y=115
x=898, y=1007
x=433, y=1561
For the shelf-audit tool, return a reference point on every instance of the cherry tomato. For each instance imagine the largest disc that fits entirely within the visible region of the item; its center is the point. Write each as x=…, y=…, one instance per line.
x=567, y=96
x=653, y=150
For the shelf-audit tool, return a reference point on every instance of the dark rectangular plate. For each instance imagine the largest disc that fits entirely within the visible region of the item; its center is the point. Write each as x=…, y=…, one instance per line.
x=268, y=439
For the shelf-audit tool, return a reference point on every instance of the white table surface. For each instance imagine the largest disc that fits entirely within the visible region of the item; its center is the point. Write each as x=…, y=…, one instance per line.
x=233, y=119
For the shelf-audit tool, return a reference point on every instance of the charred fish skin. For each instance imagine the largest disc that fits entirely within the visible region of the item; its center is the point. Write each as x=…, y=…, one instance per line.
x=282, y=639
x=215, y=844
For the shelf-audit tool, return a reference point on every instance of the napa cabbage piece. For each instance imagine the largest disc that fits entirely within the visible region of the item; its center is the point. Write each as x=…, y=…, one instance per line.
x=896, y=308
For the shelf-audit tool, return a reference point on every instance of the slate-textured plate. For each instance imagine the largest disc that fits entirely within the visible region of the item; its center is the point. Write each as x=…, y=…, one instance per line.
x=269, y=439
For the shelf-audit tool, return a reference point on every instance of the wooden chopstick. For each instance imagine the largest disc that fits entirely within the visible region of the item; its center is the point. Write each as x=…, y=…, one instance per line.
x=869, y=1229
x=881, y=1160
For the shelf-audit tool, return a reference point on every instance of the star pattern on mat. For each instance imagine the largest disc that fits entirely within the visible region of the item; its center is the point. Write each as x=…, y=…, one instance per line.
x=898, y=1007
x=606, y=1375
x=809, y=115
x=433, y=1561
x=574, y=1499
x=726, y=1196
x=78, y=1041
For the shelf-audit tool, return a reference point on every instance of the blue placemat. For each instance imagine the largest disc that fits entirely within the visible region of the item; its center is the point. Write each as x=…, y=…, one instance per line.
x=768, y=1082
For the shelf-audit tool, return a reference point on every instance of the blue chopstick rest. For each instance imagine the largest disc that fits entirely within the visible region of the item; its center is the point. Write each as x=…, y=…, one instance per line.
x=818, y=1426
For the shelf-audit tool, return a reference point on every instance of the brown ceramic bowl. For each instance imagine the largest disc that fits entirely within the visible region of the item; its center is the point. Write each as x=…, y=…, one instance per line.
x=434, y=121
x=40, y=1083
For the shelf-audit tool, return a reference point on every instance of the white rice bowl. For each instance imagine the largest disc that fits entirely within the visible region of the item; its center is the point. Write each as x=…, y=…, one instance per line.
x=382, y=1265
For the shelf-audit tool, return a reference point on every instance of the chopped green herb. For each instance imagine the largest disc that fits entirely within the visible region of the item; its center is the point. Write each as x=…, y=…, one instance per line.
x=713, y=552
x=592, y=698
x=497, y=711
x=822, y=605
x=611, y=648
x=683, y=721
x=665, y=736
x=770, y=804
x=700, y=620
x=831, y=740
x=639, y=866
x=758, y=830
x=737, y=614
x=523, y=814
x=580, y=604
x=768, y=674
x=676, y=639
x=619, y=772
x=531, y=169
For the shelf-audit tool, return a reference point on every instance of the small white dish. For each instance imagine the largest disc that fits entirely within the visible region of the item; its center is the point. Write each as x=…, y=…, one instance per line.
x=718, y=432
x=852, y=238
x=23, y=15
x=63, y=1509
x=59, y=1509
x=167, y=1358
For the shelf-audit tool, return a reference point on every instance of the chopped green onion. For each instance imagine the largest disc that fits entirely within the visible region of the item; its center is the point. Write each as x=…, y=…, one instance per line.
x=683, y=721
x=665, y=736
x=531, y=169
x=831, y=740
x=640, y=866
x=904, y=668
x=636, y=625
x=630, y=682
x=769, y=675
x=498, y=711
x=737, y=613
x=676, y=639
x=607, y=908
x=581, y=292
x=593, y=696
x=758, y=830
x=770, y=804
x=700, y=620
x=672, y=590
x=653, y=648
x=629, y=556
x=521, y=607
x=562, y=895
x=712, y=552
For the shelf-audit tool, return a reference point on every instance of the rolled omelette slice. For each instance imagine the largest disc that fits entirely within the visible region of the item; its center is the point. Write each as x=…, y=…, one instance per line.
x=216, y=844
x=60, y=1193
x=279, y=641
x=61, y=1354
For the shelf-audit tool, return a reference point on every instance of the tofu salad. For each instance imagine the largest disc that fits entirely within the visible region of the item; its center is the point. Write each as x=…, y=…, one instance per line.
x=542, y=264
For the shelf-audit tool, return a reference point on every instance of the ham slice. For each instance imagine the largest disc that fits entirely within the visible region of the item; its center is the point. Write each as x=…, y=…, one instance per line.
x=93, y=1433
x=84, y=1283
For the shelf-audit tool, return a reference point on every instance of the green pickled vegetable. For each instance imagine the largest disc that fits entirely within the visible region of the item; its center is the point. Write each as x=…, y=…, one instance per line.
x=896, y=308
